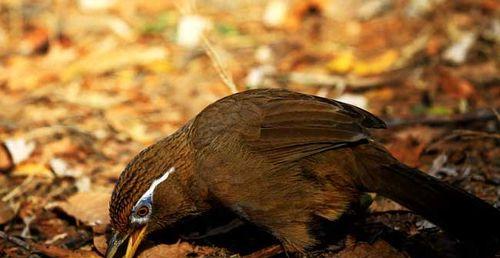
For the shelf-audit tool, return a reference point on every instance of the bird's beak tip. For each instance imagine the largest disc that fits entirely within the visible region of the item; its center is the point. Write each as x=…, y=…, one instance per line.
x=117, y=240
x=114, y=244
x=134, y=241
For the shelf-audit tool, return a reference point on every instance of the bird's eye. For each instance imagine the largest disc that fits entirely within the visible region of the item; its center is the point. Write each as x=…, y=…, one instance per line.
x=142, y=211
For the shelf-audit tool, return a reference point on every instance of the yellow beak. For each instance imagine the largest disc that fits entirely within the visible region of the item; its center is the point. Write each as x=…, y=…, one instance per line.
x=134, y=241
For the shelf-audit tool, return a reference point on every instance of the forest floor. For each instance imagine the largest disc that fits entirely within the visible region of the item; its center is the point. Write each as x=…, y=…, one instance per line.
x=84, y=87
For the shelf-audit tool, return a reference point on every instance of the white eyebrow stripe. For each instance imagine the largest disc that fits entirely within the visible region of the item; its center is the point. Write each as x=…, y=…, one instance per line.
x=156, y=182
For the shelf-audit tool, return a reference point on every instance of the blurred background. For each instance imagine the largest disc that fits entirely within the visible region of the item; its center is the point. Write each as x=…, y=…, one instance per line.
x=85, y=85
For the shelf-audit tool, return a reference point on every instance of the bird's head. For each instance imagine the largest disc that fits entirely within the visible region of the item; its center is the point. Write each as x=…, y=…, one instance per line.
x=148, y=196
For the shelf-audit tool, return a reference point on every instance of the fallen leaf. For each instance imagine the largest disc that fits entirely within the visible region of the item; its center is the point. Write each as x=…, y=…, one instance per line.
x=434, y=46
x=371, y=9
x=19, y=149
x=275, y=13
x=409, y=144
x=354, y=99
x=32, y=169
x=58, y=252
x=100, y=244
x=190, y=30
x=6, y=162
x=457, y=52
x=112, y=60
x=376, y=250
x=83, y=184
x=455, y=86
x=381, y=204
x=62, y=169
x=377, y=64
x=179, y=250
x=90, y=208
x=36, y=41
x=342, y=63
x=6, y=213
x=96, y=5
x=123, y=120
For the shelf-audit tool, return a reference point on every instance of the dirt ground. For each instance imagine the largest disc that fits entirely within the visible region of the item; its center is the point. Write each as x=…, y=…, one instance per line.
x=85, y=85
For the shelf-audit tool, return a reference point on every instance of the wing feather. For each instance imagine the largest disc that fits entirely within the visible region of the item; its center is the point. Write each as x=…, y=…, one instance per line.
x=294, y=126
x=283, y=125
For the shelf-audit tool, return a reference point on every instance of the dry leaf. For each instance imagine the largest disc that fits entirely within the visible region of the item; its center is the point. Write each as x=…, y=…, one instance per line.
x=19, y=149
x=354, y=99
x=190, y=30
x=342, y=63
x=100, y=244
x=301, y=10
x=376, y=65
x=123, y=120
x=112, y=60
x=456, y=86
x=6, y=162
x=457, y=52
x=6, y=213
x=89, y=207
x=381, y=204
x=62, y=169
x=347, y=62
x=96, y=5
x=179, y=250
x=58, y=252
x=409, y=144
x=379, y=249
x=35, y=41
x=275, y=13
x=32, y=169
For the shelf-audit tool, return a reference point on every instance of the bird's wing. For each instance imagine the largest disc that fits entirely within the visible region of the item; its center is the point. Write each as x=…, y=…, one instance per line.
x=282, y=125
x=293, y=126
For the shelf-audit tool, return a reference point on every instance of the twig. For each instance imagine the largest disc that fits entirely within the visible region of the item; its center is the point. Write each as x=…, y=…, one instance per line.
x=16, y=241
x=223, y=73
x=479, y=115
x=18, y=190
x=266, y=252
x=495, y=111
x=209, y=49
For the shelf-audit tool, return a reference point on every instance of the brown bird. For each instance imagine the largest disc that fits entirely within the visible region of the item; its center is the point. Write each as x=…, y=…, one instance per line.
x=280, y=160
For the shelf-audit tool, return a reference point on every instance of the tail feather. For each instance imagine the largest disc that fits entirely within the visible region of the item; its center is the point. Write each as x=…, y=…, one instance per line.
x=459, y=213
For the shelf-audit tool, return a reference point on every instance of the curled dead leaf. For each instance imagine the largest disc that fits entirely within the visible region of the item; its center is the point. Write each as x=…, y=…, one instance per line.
x=90, y=208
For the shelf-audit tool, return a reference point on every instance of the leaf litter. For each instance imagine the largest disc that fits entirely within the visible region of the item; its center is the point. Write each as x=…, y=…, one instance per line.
x=86, y=85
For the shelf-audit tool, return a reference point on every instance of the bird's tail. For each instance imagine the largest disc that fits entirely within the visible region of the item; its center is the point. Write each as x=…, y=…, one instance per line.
x=459, y=213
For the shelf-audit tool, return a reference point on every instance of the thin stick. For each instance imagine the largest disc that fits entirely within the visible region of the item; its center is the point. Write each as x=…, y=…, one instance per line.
x=16, y=241
x=267, y=252
x=227, y=79
x=223, y=73
x=495, y=111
